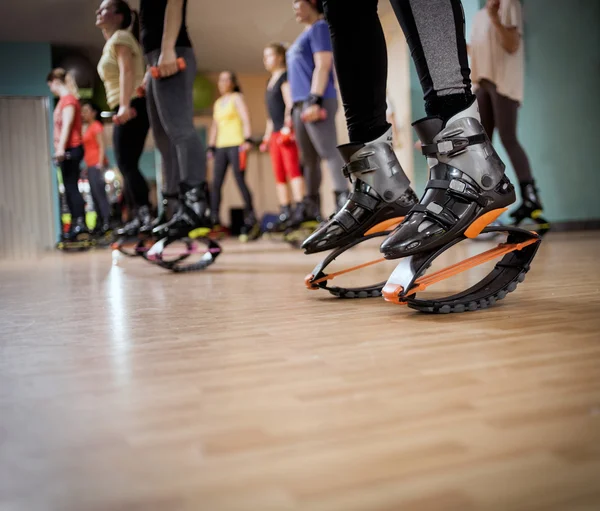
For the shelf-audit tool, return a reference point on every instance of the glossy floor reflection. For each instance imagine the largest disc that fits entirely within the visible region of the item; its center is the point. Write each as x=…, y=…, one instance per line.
x=126, y=387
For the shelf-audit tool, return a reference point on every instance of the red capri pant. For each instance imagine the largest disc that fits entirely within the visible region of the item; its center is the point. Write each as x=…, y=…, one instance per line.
x=285, y=160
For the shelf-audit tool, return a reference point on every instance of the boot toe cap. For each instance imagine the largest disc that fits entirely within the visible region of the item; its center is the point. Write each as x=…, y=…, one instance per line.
x=412, y=237
x=325, y=238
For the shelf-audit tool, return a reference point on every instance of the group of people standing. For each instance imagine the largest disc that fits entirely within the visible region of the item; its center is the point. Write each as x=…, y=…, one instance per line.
x=301, y=101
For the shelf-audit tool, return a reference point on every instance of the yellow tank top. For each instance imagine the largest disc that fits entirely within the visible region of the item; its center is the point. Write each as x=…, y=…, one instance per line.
x=230, y=131
x=108, y=67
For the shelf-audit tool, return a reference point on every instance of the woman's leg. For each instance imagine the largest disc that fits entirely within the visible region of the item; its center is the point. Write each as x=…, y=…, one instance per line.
x=486, y=107
x=323, y=135
x=98, y=190
x=174, y=104
x=167, y=150
x=70, y=169
x=434, y=31
x=128, y=142
x=291, y=163
x=276, y=152
x=240, y=177
x=221, y=161
x=310, y=157
x=505, y=113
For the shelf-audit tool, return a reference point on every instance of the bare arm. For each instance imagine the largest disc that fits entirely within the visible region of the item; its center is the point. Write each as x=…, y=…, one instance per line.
x=101, y=148
x=286, y=91
x=68, y=116
x=323, y=65
x=173, y=19
x=125, y=61
x=212, y=134
x=242, y=109
x=509, y=36
x=268, y=130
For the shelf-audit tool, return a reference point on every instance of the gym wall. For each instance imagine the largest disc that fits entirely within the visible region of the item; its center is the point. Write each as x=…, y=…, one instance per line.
x=562, y=72
x=29, y=220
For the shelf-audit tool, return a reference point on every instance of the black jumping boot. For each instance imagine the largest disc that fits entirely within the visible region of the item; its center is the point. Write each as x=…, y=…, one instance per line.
x=193, y=213
x=381, y=192
x=78, y=229
x=466, y=182
x=531, y=208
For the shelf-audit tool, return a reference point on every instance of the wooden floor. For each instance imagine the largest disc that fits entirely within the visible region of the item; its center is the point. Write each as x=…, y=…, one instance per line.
x=124, y=387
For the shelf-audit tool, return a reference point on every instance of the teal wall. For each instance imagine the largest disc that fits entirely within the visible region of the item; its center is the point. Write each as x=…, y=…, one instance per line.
x=562, y=72
x=24, y=67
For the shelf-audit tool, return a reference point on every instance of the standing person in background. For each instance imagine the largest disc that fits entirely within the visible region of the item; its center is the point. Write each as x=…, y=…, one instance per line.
x=278, y=139
x=497, y=72
x=170, y=105
x=94, y=146
x=310, y=72
x=122, y=69
x=229, y=137
x=68, y=148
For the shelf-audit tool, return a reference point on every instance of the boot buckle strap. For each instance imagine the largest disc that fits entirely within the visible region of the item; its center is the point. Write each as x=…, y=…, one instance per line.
x=452, y=146
x=357, y=166
x=363, y=200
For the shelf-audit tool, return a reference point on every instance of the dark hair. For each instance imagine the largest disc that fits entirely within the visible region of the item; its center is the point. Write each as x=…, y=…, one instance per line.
x=234, y=79
x=131, y=19
x=317, y=4
x=95, y=108
x=280, y=51
x=60, y=74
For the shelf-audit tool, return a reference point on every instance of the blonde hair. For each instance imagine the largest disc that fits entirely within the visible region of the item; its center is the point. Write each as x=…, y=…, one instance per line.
x=63, y=76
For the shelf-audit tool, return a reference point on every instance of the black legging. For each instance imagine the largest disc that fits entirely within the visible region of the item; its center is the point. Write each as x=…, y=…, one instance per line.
x=434, y=31
x=224, y=156
x=128, y=141
x=70, y=169
x=98, y=191
x=498, y=111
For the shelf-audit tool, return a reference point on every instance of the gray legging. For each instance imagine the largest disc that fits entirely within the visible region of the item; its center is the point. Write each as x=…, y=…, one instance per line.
x=171, y=112
x=98, y=191
x=318, y=141
x=498, y=111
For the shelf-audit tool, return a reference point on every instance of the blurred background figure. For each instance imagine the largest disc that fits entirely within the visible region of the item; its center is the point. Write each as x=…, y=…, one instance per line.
x=122, y=69
x=310, y=73
x=497, y=73
x=229, y=138
x=68, y=145
x=279, y=139
x=94, y=146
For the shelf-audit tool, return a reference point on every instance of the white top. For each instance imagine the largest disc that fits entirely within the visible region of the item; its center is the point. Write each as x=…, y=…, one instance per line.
x=490, y=60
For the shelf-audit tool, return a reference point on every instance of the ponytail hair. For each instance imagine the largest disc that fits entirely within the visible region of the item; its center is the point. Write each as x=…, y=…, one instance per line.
x=131, y=18
x=235, y=81
x=68, y=79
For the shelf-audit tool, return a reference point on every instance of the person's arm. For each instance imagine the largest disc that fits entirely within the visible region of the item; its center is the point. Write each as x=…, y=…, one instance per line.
x=125, y=62
x=242, y=109
x=268, y=131
x=509, y=36
x=212, y=137
x=167, y=62
x=286, y=92
x=68, y=117
x=320, y=78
